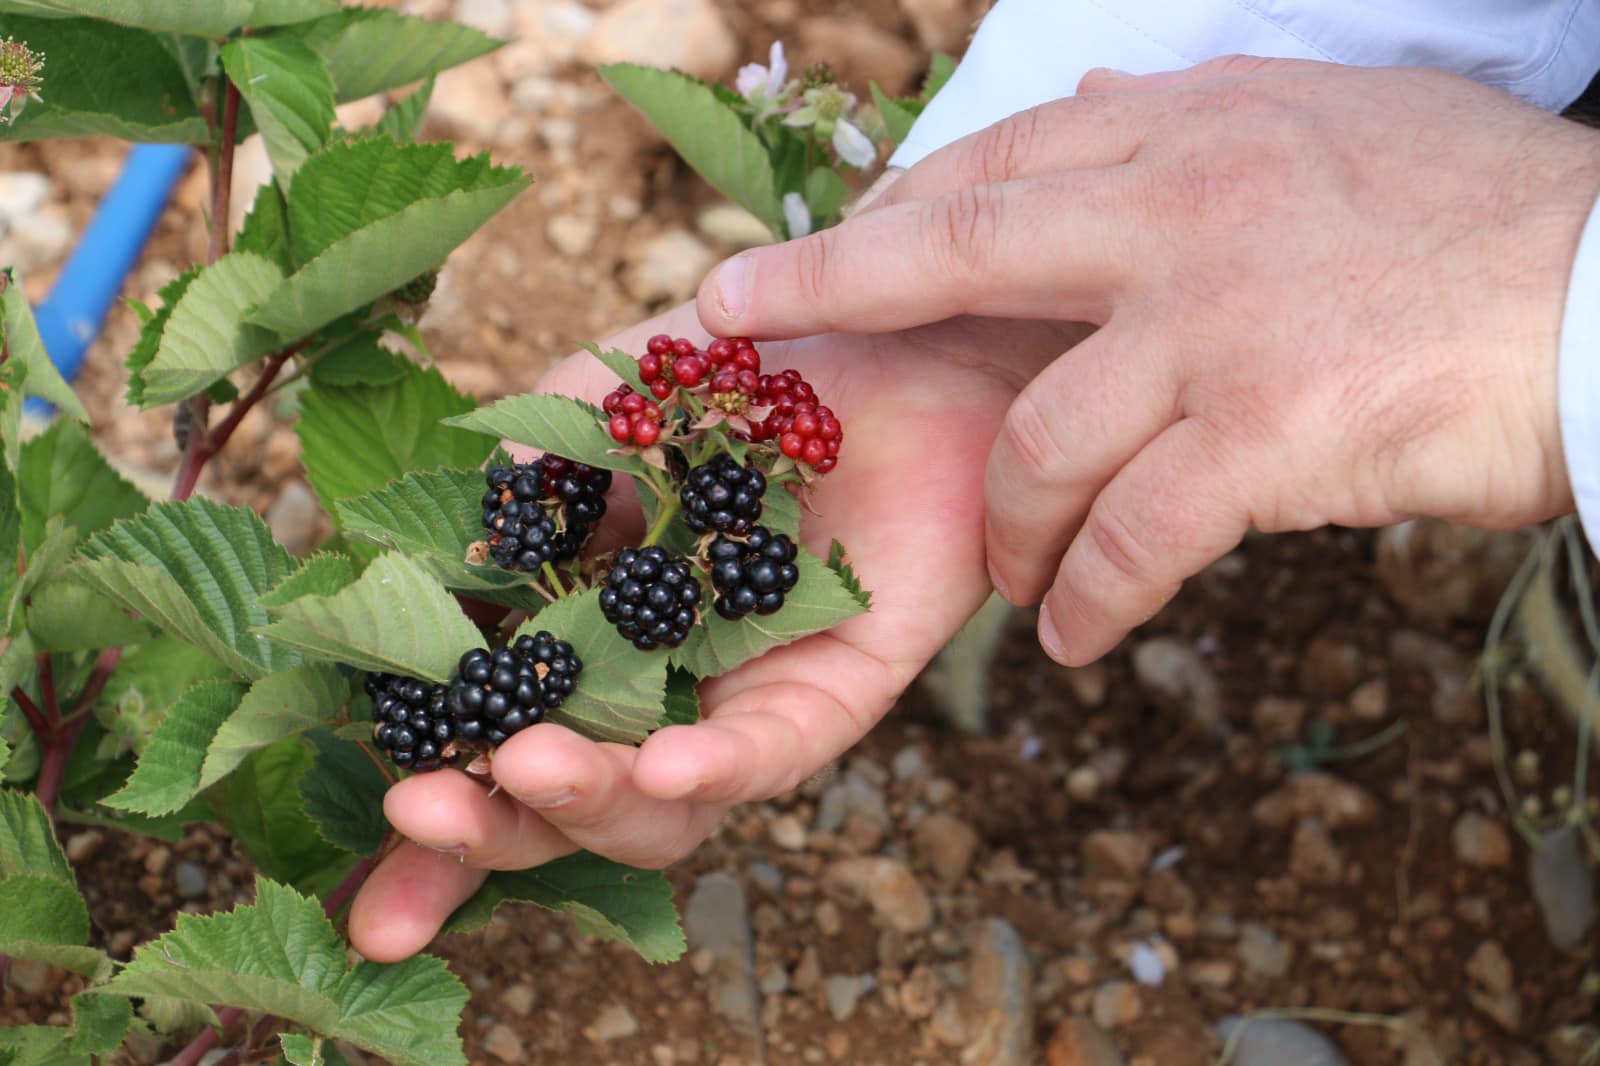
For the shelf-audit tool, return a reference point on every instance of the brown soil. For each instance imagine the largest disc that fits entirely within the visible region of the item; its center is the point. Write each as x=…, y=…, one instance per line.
x=1386, y=926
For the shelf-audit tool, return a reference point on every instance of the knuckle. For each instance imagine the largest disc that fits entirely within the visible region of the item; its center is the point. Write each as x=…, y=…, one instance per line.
x=813, y=264
x=1031, y=435
x=1120, y=546
x=1002, y=149
x=960, y=231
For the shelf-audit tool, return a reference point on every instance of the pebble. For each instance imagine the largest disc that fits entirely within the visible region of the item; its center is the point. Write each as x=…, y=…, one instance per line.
x=503, y=1043
x=1172, y=668
x=1454, y=700
x=919, y=993
x=491, y=16
x=1319, y=795
x=1263, y=952
x=844, y=991
x=668, y=266
x=295, y=517
x=897, y=899
x=732, y=227
x=1080, y=1042
x=518, y=999
x=572, y=235
x=471, y=101
x=30, y=976
x=1563, y=885
x=940, y=24
x=908, y=764
x=1495, y=994
x=1481, y=841
x=1117, y=853
x=788, y=832
x=851, y=795
x=1370, y=700
x=807, y=972
x=192, y=880
x=1089, y=683
x=859, y=52
x=558, y=28
x=1146, y=965
x=1115, y=1004
x=717, y=920
x=1313, y=856
x=1000, y=978
x=157, y=861
x=1276, y=1042
x=946, y=844
x=1330, y=666
x=614, y=1022
x=766, y=877
x=1278, y=718
x=22, y=192
x=686, y=35
x=82, y=846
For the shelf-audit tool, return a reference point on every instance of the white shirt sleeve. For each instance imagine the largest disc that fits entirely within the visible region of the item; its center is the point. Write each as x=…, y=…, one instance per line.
x=1028, y=52
x=1579, y=385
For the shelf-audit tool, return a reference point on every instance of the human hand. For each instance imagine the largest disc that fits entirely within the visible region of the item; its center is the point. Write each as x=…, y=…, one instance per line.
x=920, y=422
x=1327, y=295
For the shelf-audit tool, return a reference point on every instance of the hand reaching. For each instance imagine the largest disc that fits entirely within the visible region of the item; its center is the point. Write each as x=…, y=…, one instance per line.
x=921, y=414
x=1326, y=295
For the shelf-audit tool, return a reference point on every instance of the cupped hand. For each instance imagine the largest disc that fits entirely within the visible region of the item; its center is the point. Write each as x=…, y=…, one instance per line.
x=919, y=417
x=1326, y=295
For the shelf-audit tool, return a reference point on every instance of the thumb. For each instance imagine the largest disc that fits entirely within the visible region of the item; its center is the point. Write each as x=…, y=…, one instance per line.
x=1107, y=80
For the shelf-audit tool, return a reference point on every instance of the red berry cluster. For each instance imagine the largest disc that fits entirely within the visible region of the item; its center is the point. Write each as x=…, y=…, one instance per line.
x=633, y=419
x=805, y=430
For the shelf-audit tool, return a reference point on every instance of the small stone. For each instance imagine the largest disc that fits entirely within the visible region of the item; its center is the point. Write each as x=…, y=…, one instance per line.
x=851, y=795
x=732, y=227
x=1563, y=885
x=807, y=972
x=858, y=52
x=1319, y=795
x=1089, y=683
x=686, y=35
x=829, y=921
x=908, y=764
x=946, y=844
x=1213, y=973
x=1263, y=953
x=1172, y=668
x=1313, y=857
x=766, y=877
x=774, y=981
x=947, y=1025
x=844, y=991
x=940, y=24
x=897, y=899
x=1481, y=841
x=22, y=192
x=491, y=16
x=31, y=976
x=717, y=920
x=1000, y=980
x=157, y=861
x=1277, y=1042
x=1370, y=700
x=82, y=846
x=1454, y=697
x=295, y=517
x=1490, y=967
x=788, y=832
x=503, y=1043
x=919, y=993
x=572, y=235
x=1083, y=783
x=1080, y=1042
x=1329, y=666
x=192, y=881
x=1117, y=853
x=614, y=1022
x=471, y=101
x=1115, y=1004
x=663, y=1055
x=518, y=999
x=668, y=266
x=1278, y=718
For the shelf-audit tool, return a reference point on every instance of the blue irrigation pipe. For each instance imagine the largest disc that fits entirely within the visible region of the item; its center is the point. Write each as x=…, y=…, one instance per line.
x=70, y=317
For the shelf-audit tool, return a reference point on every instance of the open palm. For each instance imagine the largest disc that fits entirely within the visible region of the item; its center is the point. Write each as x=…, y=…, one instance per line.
x=921, y=409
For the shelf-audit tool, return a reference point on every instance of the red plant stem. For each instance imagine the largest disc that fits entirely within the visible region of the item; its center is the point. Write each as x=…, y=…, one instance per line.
x=31, y=712
x=347, y=888
x=207, y=1039
x=61, y=736
x=47, y=689
x=223, y=187
x=206, y=443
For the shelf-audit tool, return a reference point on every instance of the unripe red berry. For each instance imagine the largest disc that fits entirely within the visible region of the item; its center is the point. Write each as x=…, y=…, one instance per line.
x=661, y=388
x=621, y=427
x=790, y=444
x=814, y=452
x=690, y=370
x=633, y=403
x=649, y=367
x=683, y=346
x=646, y=433
x=720, y=350
x=660, y=344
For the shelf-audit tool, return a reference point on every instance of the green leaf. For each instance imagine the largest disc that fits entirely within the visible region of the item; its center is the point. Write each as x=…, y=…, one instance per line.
x=401, y=120
x=302, y=1050
x=168, y=774
x=10, y=546
x=66, y=616
x=322, y=574
x=558, y=424
x=780, y=512
x=432, y=516
x=41, y=914
x=5, y=757
x=609, y=900
x=620, y=692
x=25, y=346
x=896, y=119
x=367, y=216
x=361, y=360
x=208, y=334
x=13, y=379
x=38, y=1045
x=171, y=1016
x=621, y=364
x=144, y=351
x=394, y=618
x=372, y=51
x=63, y=473
x=682, y=704
x=290, y=94
x=353, y=440
x=265, y=814
x=708, y=134
x=28, y=841
x=44, y=562
x=343, y=794
x=194, y=570
x=825, y=193
x=42, y=911
x=847, y=575
x=100, y=78
x=938, y=74
x=99, y=1023
x=820, y=601
x=287, y=12
x=279, y=706
x=150, y=679
x=265, y=231
x=215, y=18
x=280, y=955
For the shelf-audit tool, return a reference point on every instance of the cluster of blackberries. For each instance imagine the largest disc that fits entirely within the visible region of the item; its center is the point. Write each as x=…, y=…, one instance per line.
x=723, y=496
x=751, y=576
x=493, y=696
x=652, y=598
x=523, y=500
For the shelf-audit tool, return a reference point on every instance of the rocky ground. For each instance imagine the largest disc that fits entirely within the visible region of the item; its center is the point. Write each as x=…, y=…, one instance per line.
x=1134, y=853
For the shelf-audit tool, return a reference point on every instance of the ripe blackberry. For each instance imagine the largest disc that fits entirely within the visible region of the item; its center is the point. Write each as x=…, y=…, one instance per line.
x=498, y=694
x=522, y=536
x=652, y=598
x=723, y=496
x=581, y=488
x=751, y=576
x=411, y=722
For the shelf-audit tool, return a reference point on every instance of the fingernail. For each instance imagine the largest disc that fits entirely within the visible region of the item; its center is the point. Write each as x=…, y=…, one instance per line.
x=999, y=583
x=545, y=801
x=1108, y=74
x=1049, y=636
x=448, y=849
x=733, y=287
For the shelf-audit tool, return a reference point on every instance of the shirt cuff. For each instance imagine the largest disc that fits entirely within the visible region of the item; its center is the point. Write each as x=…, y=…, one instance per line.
x=1579, y=385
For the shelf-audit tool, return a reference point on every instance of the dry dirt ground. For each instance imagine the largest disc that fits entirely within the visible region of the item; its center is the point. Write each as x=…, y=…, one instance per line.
x=1138, y=810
